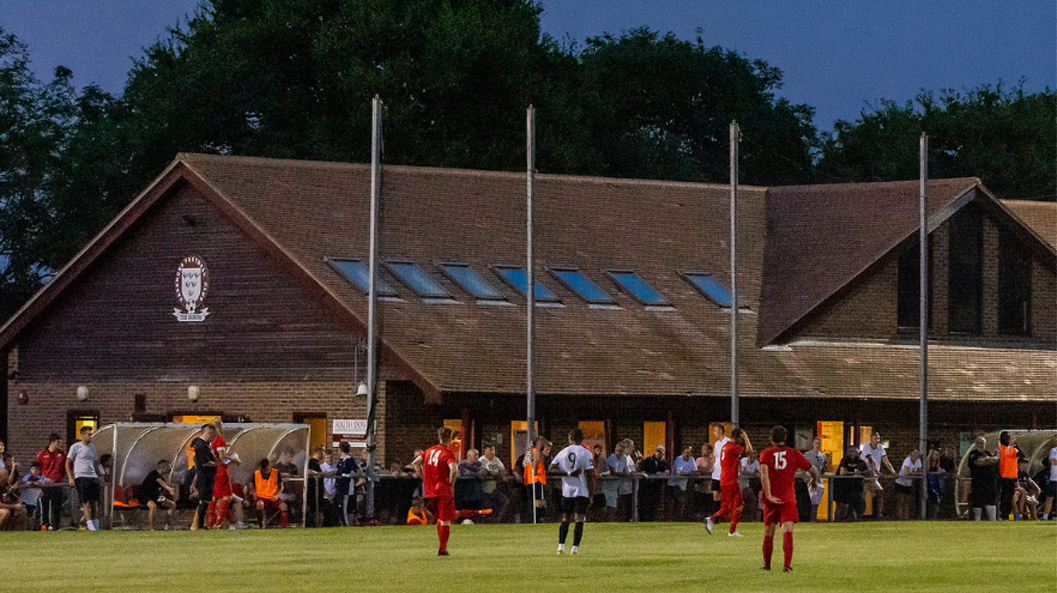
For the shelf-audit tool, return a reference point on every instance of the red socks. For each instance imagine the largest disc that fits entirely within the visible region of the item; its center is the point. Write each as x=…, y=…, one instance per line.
x=768, y=549
x=735, y=518
x=212, y=519
x=443, y=531
x=284, y=518
x=787, y=547
x=222, y=513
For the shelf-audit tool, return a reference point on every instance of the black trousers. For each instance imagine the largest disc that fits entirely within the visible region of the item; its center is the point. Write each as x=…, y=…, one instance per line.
x=1007, y=485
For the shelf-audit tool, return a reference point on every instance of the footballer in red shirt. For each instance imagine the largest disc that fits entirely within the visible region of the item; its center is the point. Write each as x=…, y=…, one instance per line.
x=439, y=470
x=778, y=467
x=731, y=501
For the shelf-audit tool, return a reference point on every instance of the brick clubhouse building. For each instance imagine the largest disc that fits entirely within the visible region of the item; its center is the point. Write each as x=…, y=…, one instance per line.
x=241, y=282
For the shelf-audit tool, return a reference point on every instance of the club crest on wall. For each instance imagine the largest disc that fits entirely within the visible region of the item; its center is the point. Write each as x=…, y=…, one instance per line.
x=192, y=284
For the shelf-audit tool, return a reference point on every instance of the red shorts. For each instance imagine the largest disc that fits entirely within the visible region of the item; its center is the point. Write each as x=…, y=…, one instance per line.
x=442, y=507
x=730, y=499
x=222, y=486
x=782, y=513
x=273, y=503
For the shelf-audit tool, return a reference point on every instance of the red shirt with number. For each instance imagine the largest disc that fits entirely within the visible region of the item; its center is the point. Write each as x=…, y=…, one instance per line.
x=730, y=462
x=782, y=464
x=221, y=484
x=437, y=472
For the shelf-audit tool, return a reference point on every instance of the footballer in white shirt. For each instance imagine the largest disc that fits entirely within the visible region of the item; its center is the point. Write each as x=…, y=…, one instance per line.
x=573, y=464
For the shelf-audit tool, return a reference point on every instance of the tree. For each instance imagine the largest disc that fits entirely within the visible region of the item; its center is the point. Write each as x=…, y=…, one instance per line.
x=1004, y=137
x=660, y=107
x=34, y=119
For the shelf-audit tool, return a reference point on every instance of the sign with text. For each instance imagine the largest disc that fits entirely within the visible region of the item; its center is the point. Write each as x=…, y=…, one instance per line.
x=351, y=431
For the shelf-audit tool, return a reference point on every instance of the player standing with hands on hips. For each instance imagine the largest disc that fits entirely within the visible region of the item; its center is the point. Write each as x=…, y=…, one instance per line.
x=439, y=470
x=778, y=467
x=573, y=464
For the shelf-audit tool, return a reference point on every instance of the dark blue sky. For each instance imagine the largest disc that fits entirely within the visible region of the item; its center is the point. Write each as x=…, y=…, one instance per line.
x=838, y=56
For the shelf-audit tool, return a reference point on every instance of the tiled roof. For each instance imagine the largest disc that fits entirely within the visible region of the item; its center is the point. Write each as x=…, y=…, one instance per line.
x=836, y=232
x=1040, y=217
x=312, y=211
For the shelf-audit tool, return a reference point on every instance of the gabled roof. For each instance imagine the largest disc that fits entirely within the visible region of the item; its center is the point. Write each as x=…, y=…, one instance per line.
x=837, y=232
x=304, y=213
x=1040, y=217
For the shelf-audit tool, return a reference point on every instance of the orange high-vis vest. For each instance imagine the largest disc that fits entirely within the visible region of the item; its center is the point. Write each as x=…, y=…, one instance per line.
x=541, y=471
x=1007, y=461
x=268, y=487
x=415, y=519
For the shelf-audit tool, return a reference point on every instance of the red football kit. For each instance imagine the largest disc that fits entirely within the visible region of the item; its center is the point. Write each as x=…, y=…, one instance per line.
x=222, y=484
x=782, y=464
x=730, y=491
x=435, y=486
x=52, y=464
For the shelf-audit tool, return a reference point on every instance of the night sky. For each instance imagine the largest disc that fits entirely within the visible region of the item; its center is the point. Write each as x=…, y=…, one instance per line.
x=838, y=56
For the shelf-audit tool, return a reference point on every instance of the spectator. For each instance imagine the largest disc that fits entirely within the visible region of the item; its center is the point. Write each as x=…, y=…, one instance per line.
x=348, y=471
x=52, y=460
x=82, y=467
x=491, y=471
x=910, y=469
x=1007, y=473
x=982, y=471
x=848, y=488
x=703, y=483
x=418, y=514
x=156, y=493
x=12, y=512
x=268, y=488
x=618, y=488
x=1051, y=488
x=633, y=454
x=598, y=510
x=818, y=460
x=683, y=469
x=1025, y=497
x=748, y=480
x=30, y=496
x=285, y=464
x=469, y=491
x=655, y=467
x=874, y=455
x=936, y=478
x=319, y=495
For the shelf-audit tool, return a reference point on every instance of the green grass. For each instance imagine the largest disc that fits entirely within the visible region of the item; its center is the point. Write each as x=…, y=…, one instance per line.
x=935, y=557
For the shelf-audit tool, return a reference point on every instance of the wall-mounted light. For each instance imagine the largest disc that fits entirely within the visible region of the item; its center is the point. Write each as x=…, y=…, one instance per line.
x=82, y=393
x=361, y=391
x=23, y=398
x=192, y=393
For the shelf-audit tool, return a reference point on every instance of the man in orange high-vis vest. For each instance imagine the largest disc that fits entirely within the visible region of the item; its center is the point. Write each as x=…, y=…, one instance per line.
x=536, y=477
x=1007, y=473
x=268, y=486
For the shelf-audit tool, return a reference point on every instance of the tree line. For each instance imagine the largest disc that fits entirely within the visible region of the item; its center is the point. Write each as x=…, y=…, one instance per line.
x=294, y=79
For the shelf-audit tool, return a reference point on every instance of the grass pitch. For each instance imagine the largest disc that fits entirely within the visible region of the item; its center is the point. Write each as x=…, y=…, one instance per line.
x=911, y=556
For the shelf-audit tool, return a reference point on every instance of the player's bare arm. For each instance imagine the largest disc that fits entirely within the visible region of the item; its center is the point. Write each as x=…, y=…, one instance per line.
x=417, y=464
x=453, y=473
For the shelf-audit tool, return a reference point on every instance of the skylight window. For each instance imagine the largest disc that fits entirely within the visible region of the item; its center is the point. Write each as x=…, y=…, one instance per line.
x=418, y=280
x=638, y=288
x=710, y=287
x=517, y=278
x=356, y=272
x=471, y=281
x=578, y=283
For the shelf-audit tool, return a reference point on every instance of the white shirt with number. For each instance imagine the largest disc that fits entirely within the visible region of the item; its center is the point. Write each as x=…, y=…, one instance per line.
x=568, y=460
x=717, y=470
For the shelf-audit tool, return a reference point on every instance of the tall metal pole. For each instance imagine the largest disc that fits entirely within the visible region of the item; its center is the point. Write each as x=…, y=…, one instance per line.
x=372, y=308
x=923, y=317
x=530, y=269
x=735, y=134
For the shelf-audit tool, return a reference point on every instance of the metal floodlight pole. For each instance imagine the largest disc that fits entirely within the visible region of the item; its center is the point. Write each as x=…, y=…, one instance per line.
x=923, y=316
x=530, y=292
x=735, y=135
x=372, y=307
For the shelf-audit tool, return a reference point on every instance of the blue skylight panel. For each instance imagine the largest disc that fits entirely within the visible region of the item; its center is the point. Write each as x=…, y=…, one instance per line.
x=638, y=287
x=582, y=286
x=418, y=280
x=518, y=278
x=356, y=271
x=472, y=282
x=708, y=285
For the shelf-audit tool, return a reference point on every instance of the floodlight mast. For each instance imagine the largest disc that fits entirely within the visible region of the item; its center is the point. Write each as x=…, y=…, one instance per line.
x=923, y=326
x=372, y=286
x=735, y=136
x=530, y=296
